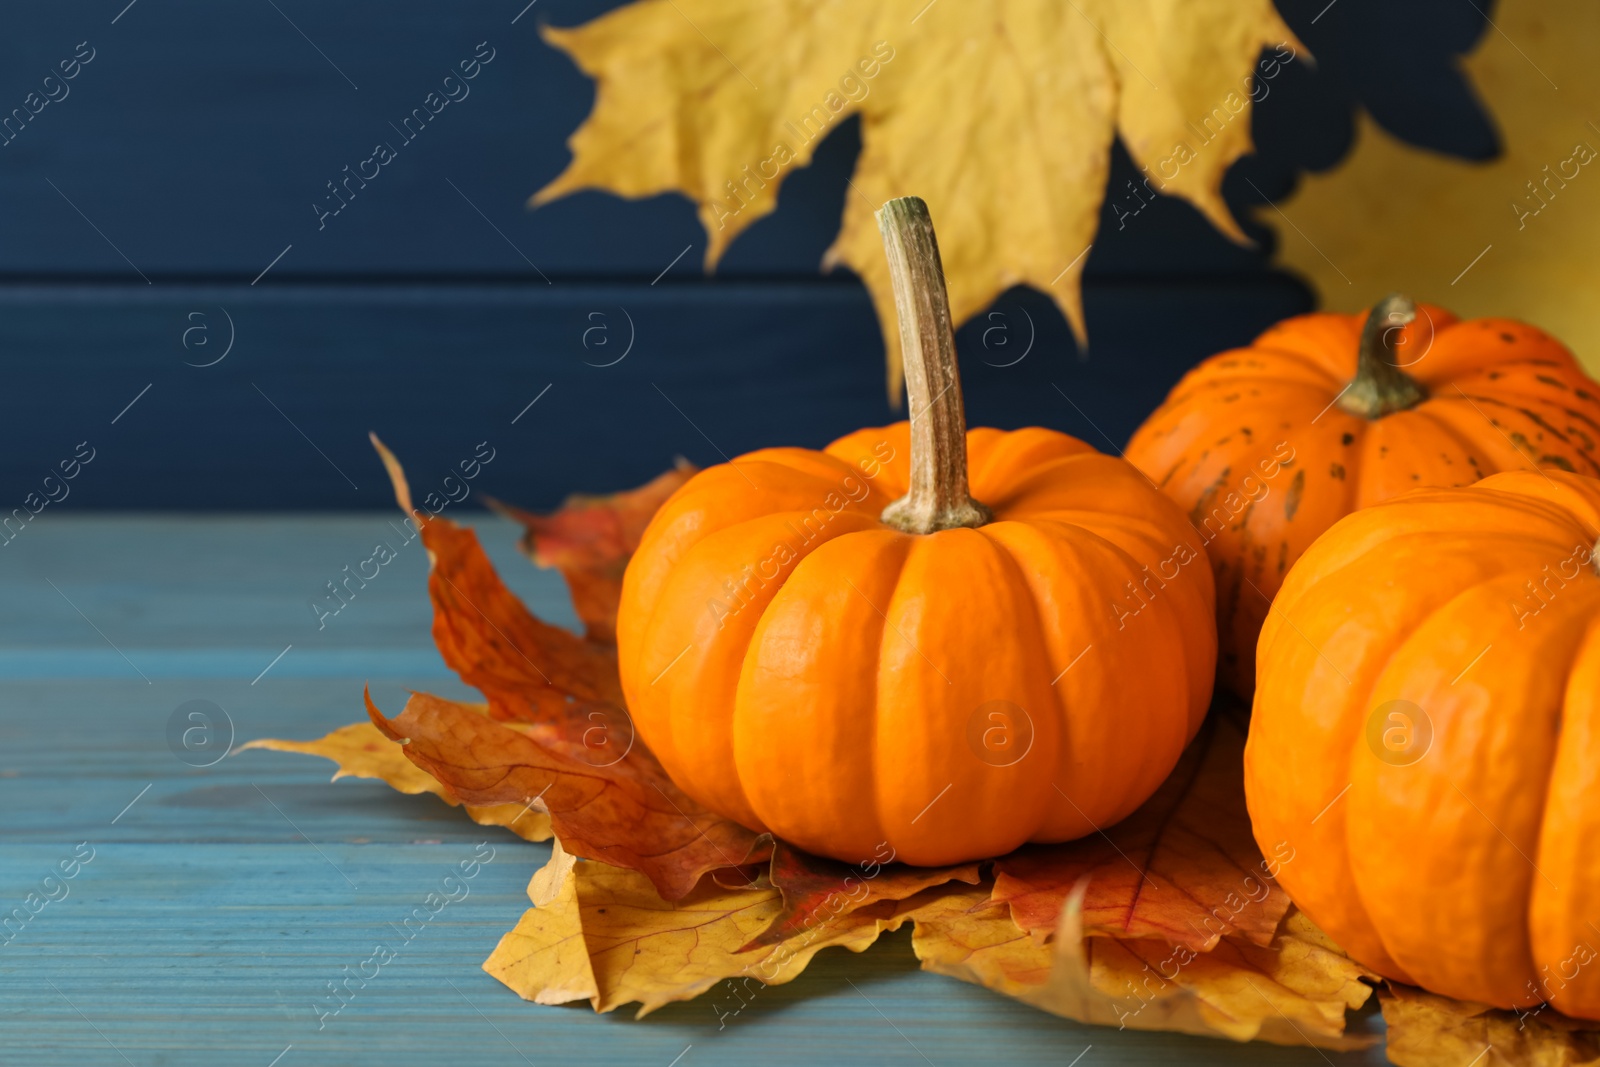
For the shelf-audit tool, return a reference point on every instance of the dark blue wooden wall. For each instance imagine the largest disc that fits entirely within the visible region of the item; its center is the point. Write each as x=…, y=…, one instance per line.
x=139, y=211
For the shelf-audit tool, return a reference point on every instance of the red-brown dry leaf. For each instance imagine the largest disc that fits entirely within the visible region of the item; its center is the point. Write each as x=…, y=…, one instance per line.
x=590, y=539
x=529, y=670
x=1183, y=868
x=626, y=814
x=818, y=890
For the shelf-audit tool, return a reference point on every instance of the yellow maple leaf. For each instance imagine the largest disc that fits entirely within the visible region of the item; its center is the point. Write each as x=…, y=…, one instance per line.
x=1513, y=236
x=999, y=115
x=1295, y=992
x=1431, y=1031
x=362, y=752
x=603, y=934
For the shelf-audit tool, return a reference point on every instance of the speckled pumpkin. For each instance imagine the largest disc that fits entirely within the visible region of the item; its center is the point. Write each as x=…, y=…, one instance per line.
x=1267, y=446
x=1425, y=735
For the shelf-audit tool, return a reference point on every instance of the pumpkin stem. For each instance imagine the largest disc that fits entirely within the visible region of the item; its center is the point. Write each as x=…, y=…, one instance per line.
x=939, y=498
x=1380, y=387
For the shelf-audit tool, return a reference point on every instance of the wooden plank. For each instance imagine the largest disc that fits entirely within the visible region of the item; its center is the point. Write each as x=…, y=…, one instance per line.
x=236, y=588
x=714, y=370
x=243, y=936
x=199, y=137
x=216, y=909
x=216, y=953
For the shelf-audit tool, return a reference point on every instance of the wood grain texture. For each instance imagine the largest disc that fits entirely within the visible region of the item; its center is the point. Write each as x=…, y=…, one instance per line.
x=216, y=908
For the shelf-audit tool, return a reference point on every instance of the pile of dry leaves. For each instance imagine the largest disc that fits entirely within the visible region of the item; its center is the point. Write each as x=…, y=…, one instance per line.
x=1170, y=920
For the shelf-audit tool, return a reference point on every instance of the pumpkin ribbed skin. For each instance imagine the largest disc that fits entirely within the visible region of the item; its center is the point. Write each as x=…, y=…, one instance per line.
x=803, y=668
x=1253, y=445
x=1468, y=867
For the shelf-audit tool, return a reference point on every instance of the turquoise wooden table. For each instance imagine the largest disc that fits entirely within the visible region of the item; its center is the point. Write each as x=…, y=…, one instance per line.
x=210, y=907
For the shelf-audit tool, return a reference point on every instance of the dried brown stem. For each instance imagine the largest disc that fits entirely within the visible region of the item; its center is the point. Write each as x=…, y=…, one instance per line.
x=1380, y=387
x=939, y=498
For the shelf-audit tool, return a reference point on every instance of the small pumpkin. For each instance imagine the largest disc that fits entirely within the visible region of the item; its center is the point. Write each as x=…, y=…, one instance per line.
x=1424, y=739
x=1267, y=446
x=851, y=648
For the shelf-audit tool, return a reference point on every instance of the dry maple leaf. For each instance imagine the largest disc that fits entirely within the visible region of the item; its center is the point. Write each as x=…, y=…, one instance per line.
x=573, y=752
x=1000, y=116
x=544, y=958
x=530, y=671
x=966, y=936
x=362, y=752
x=1295, y=992
x=604, y=935
x=590, y=539
x=1183, y=868
x=1513, y=236
x=1431, y=1031
x=815, y=888
x=626, y=813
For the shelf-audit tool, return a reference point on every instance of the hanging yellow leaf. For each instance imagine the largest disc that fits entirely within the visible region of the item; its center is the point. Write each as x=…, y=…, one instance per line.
x=1431, y=1031
x=362, y=752
x=999, y=115
x=1512, y=237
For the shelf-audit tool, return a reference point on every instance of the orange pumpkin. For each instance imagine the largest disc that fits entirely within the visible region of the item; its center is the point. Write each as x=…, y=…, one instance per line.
x=1427, y=719
x=846, y=649
x=1267, y=446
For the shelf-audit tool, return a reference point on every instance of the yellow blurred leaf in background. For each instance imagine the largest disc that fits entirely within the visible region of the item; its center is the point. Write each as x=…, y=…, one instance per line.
x=1515, y=236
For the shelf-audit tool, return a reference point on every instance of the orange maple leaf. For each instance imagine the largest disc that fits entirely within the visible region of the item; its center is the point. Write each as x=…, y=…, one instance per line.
x=530, y=671
x=590, y=539
x=626, y=813
x=1184, y=867
x=815, y=889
